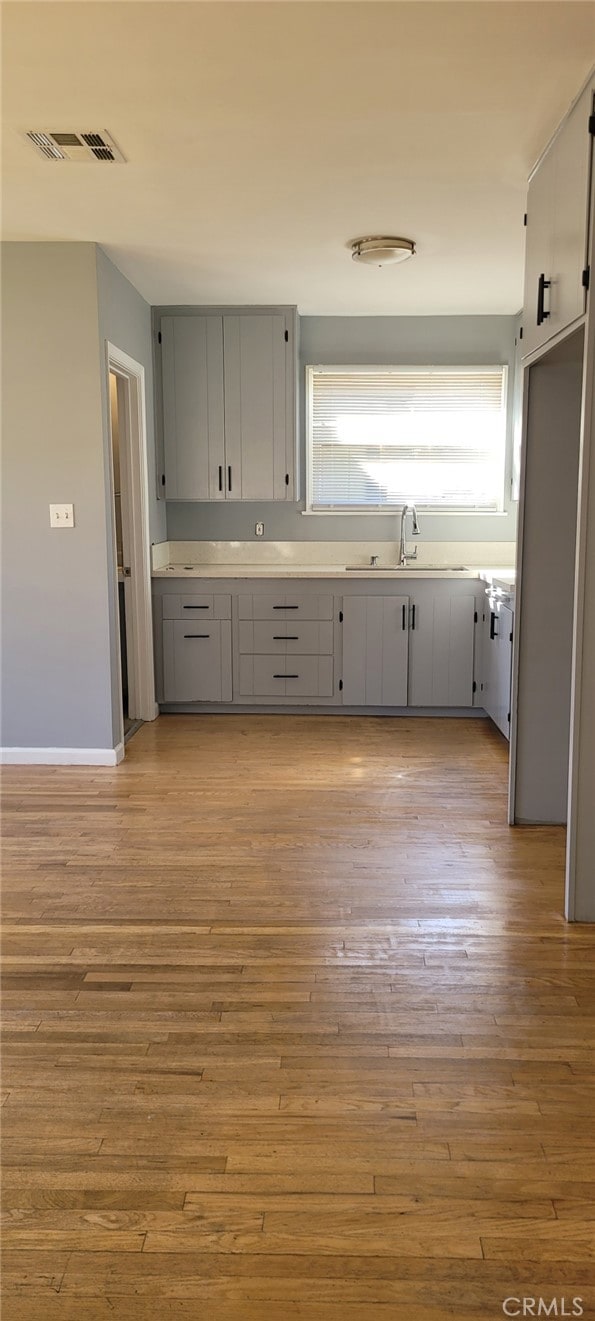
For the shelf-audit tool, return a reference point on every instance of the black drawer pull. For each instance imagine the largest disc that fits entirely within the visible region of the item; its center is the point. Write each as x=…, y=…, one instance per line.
x=197, y=607
x=197, y=635
x=286, y=676
x=285, y=637
x=286, y=607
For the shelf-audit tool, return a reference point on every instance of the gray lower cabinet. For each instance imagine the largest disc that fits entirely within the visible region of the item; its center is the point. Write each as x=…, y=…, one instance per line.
x=375, y=650
x=441, y=648
x=286, y=676
x=297, y=642
x=197, y=660
x=497, y=666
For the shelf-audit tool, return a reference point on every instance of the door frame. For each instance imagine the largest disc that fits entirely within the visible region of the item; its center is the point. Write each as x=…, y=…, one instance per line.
x=139, y=613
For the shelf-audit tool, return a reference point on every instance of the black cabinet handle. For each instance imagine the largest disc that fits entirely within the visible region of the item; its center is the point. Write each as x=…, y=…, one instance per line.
x=413, y=616
x=493, y=629
x=542, y=285
x=286, y=607
x=197, y=635
x=286, y=676
x=404, y=622
x=196, y=607
x=286, y=637
x=229, y=478
x=220, y=476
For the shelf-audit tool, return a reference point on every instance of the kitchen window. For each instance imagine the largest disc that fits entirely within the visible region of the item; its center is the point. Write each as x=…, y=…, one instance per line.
x=381, y=437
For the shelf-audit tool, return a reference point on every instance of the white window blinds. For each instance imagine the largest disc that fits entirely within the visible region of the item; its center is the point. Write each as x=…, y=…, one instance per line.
x=430, y=436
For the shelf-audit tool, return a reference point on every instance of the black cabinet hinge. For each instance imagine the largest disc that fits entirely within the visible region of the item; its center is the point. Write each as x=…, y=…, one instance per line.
x=592, y=125
x=474, y=686
x=585, y=277
x=340, y=685
x=158, y=336
x=287, y=337
x=340, y=616
x=525, y=218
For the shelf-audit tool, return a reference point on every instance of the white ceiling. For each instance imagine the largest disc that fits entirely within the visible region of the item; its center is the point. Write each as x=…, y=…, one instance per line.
x=261, y=137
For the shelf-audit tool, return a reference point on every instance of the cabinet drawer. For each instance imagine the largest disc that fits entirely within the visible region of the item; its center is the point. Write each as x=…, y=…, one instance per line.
x=196, y=605
x=278, y=676
x=286, y=637
x=197, y=660
x=286, y=605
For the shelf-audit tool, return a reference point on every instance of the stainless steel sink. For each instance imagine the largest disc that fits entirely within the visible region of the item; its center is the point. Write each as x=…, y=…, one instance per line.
x=406, y=568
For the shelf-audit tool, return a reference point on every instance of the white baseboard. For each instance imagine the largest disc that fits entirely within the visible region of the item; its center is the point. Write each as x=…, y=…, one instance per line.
x=62, y=756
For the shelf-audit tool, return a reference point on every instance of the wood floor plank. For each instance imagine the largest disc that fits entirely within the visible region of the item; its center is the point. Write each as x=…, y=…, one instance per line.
x=293, y=1029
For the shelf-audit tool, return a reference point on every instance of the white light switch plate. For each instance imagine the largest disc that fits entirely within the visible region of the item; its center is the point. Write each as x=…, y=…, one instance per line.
x=61, y=515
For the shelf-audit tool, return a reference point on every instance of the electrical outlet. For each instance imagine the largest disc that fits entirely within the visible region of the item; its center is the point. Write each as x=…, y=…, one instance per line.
x=259, y=530
x=61, y=515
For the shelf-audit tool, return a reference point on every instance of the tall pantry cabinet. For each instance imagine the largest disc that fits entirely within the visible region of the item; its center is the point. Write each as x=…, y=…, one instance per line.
x=552, y=774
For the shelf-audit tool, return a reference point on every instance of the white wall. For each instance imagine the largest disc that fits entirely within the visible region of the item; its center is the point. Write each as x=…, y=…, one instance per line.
x=56, y=689
x=373, y=341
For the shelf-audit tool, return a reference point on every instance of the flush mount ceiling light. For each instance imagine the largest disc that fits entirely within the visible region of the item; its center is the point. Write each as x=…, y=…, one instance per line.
x=378, y=250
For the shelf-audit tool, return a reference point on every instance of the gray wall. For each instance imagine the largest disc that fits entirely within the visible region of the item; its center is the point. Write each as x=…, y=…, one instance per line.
x=56, y=689
x=125, y=322
x=369, y=340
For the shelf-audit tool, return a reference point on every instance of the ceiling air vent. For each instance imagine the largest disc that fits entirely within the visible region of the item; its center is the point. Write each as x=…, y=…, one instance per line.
x=95, y=145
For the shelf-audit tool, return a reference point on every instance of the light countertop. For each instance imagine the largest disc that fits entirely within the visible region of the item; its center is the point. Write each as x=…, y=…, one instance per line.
x=498, y=577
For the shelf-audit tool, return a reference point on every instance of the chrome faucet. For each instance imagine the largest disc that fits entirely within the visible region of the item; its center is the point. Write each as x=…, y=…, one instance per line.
x=404, y=554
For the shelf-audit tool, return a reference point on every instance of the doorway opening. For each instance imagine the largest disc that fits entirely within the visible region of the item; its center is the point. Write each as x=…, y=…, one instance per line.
x=132, y=646
x=120, y=518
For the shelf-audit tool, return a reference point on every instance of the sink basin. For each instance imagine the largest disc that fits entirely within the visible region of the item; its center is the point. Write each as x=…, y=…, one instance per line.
x=405, y=568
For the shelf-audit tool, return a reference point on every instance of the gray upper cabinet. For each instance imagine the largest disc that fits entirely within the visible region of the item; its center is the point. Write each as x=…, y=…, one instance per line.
x=557, y=230
x=259, y=402
x=229, y=404
x=375, y=650
x=193, y=407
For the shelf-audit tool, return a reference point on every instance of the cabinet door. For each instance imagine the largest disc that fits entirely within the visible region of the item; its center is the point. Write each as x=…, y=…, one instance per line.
x=441, y=651
x=496, y=695
x=572, y=150
x=375, y=650
x=538, y=253
x=193, y=412
x=197, y=660
x=557, y=230
x=257, y=362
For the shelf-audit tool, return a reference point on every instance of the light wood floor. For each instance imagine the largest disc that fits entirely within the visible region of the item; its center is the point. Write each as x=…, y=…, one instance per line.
x=295, y=1029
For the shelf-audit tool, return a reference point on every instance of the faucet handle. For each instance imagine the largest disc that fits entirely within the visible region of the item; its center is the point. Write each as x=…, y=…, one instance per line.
x=412, y=554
